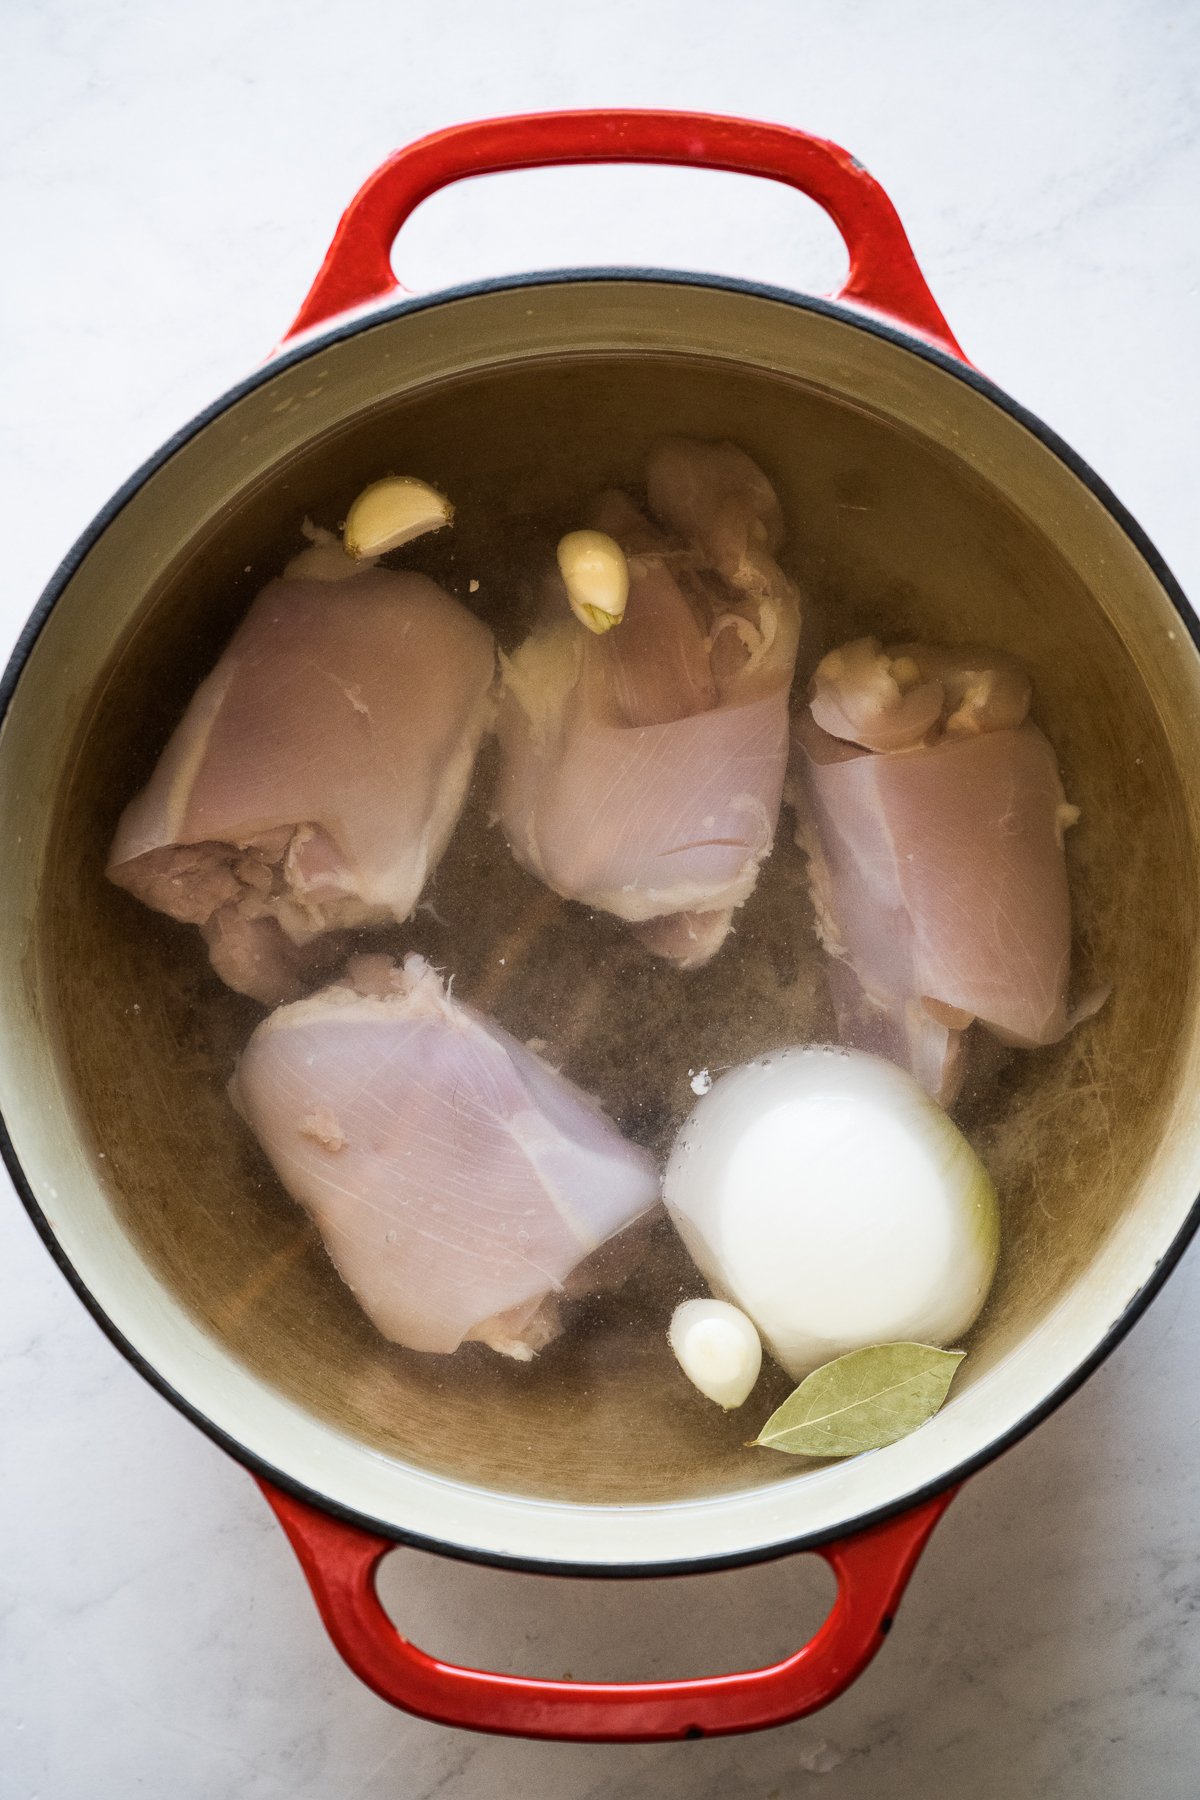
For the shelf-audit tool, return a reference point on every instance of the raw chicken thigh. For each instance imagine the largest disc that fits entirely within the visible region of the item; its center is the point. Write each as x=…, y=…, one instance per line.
x=642, y=769
x=933, y=814
x=315, y=778
x=459, y=1183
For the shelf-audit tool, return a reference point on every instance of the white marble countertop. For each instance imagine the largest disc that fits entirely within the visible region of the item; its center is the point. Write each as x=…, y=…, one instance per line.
x=169, y=177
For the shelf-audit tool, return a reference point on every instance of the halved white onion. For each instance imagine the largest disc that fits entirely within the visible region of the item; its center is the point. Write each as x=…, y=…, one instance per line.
x=824, y=1193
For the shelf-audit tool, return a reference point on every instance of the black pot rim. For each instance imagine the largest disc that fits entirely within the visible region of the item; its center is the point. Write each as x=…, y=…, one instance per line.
x=310, y=345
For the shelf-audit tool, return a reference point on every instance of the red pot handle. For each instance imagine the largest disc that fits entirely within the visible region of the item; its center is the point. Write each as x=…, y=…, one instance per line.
x=340, y=1561
x=883, y=270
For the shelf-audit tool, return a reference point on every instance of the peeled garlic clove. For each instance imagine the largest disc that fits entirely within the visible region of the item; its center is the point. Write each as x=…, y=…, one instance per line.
x=596, y=574
x=393, y=512
x=718, y=1349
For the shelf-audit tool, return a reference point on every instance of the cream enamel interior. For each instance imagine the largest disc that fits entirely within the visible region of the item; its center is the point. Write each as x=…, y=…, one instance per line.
x=1034, y=560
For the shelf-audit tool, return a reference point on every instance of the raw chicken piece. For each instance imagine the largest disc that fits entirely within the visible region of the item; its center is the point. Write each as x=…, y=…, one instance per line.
x=642, y=770
x=315, y=778
x=935, y=841
x=458, y=1182
x=716, y=497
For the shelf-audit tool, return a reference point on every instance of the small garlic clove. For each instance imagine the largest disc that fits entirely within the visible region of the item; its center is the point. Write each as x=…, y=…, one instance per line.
x=393, y=512
x=596, y=574
x=718, y=1348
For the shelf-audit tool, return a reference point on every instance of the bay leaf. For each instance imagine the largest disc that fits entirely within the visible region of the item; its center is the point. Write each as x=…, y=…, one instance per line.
x=862, y=1401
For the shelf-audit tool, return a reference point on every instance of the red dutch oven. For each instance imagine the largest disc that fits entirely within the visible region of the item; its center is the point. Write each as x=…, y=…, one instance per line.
x=913, y=484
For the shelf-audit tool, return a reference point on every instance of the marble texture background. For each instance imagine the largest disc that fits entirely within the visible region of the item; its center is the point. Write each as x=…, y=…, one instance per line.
x=169, y=178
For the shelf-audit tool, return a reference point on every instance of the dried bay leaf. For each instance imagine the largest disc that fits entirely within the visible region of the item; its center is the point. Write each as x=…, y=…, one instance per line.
x=862, y=1401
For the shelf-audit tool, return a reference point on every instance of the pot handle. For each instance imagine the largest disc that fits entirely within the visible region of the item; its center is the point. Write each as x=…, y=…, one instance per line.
x=883, y=275
x=341, y=1561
